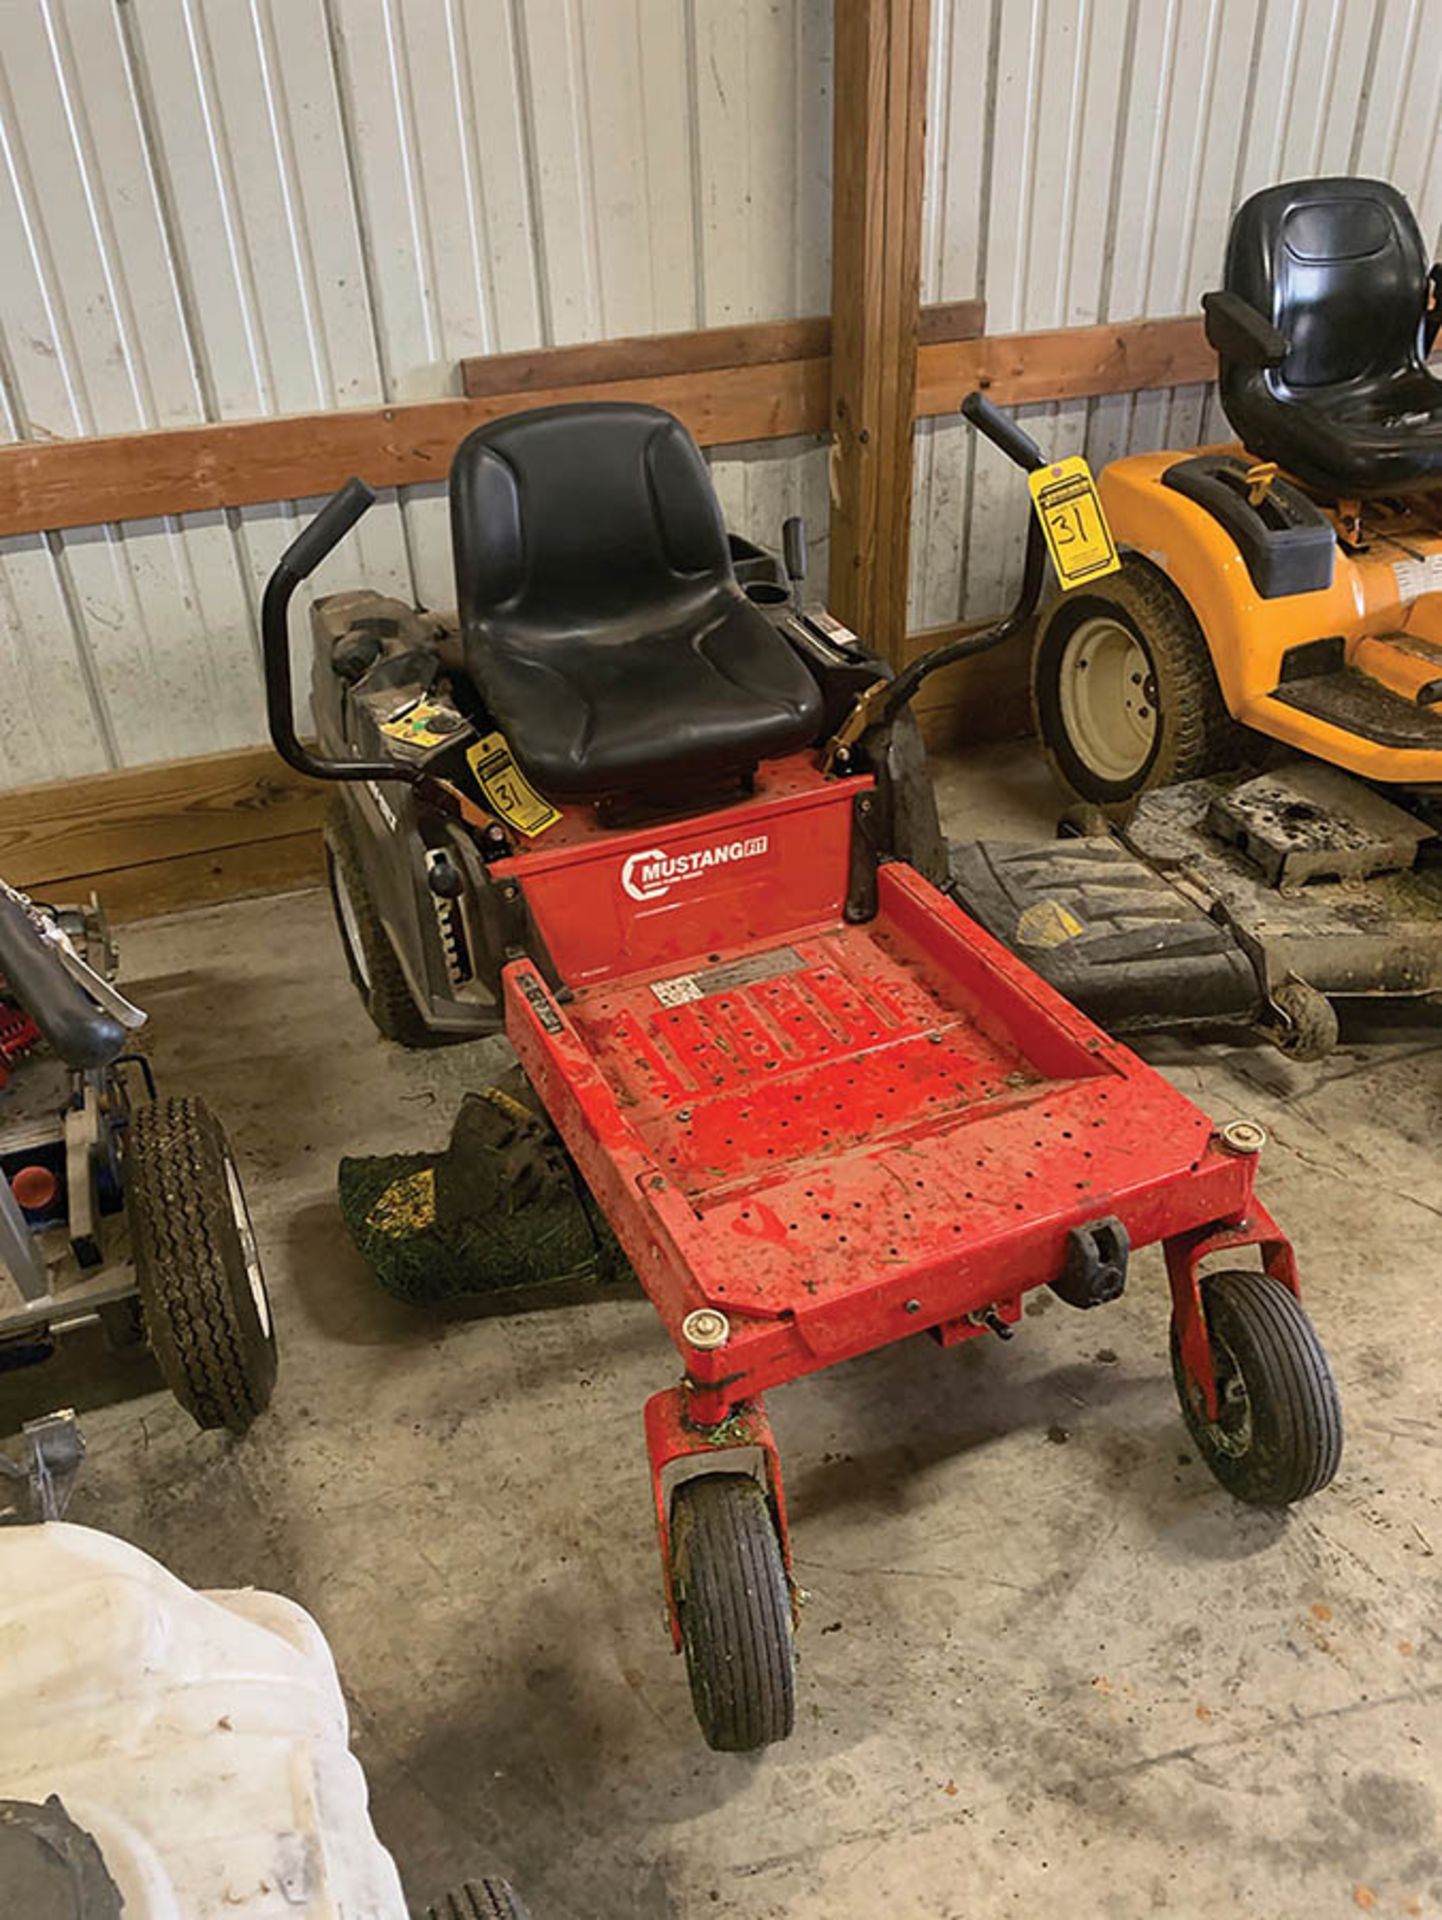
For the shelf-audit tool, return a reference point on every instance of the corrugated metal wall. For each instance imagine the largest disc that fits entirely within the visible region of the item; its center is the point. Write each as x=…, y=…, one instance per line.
x=222, y=208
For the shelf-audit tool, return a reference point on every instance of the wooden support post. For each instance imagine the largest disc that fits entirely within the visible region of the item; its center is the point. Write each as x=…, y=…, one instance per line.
x=879, y=150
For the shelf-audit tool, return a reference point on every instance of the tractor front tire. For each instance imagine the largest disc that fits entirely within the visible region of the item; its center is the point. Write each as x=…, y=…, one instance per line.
x=1124, y=694
x=202, y=1293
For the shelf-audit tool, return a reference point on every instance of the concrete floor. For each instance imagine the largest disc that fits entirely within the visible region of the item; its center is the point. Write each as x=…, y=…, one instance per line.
x=1045, y=1659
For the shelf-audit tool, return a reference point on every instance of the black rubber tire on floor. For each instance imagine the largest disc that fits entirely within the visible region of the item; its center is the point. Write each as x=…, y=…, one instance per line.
x=1280, y=1437
x=1196, y=735
x=375, y=971
x=735, y=1608
x=214, y=1340
x=1312, y=1030
x=479, y=1900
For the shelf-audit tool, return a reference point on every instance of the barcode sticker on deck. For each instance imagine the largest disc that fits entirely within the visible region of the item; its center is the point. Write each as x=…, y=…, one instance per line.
x=682, y=987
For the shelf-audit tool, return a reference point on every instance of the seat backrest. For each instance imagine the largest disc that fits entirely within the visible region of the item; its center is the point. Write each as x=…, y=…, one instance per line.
x=592, y=508
x=1338, y=266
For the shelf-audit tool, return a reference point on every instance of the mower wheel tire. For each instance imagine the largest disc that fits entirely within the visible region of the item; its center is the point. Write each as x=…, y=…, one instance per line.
x=734, y=1604
x=369, y=955
x=202, y=1293
x=478, y=1900
x=1278, y=1437
x=1124, y=694
x=1311, y=1028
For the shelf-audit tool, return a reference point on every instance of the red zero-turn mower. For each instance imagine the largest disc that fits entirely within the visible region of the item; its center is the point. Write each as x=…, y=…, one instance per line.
x=675, y=833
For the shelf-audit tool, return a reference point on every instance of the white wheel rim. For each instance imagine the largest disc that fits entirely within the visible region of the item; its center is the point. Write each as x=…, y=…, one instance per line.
x=350, y=923
x=240, y=1213
x=1108, y=697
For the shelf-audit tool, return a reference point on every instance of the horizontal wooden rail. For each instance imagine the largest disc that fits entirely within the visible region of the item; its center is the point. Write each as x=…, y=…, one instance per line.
x=152, y=839
x=50, y=484
x=45, y=484
x=1074, y=363
x=728, y=385
x=655, y=356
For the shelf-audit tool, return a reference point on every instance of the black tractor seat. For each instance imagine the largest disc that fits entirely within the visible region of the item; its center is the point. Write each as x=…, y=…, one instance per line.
x=601, y=618
x=1322, y=332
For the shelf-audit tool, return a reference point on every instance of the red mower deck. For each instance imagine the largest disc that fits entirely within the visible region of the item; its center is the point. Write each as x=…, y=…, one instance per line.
x=885, y=1128
x=820, y=1136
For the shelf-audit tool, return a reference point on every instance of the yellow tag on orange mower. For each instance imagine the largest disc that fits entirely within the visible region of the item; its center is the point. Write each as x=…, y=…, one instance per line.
x=1070, y=511
x=508, y=792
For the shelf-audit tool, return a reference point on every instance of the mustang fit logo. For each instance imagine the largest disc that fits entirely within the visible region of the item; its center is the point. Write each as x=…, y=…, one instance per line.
x=650, y=875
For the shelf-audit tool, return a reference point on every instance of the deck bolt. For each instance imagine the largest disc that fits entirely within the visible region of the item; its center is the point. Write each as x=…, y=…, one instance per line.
x=706, y=1329
x=913, y=1306
x=1243, y=1136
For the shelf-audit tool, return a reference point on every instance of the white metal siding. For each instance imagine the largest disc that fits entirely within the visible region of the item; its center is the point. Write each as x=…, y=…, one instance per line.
x=221, y=208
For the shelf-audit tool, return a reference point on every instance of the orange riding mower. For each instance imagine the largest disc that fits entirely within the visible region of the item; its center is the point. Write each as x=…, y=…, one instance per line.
x=1240, y=683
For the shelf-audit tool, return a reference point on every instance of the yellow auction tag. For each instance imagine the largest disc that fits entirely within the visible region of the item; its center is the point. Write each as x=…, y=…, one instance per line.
x=1070, y=510
x=509, y=792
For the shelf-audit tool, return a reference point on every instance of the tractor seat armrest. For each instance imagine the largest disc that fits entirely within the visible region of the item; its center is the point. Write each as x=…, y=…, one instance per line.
x=1240, y=334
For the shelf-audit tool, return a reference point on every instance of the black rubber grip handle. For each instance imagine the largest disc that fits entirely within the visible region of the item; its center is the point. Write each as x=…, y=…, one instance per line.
x=328, y=529
x=82, y=1035
x=1016, y=444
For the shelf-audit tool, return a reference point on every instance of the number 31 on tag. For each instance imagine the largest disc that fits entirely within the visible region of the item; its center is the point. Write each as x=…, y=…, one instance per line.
x=1070, y=511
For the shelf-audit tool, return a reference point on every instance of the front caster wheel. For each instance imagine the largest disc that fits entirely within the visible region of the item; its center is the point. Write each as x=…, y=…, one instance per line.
x=735, y=1610
x=1278, y=1435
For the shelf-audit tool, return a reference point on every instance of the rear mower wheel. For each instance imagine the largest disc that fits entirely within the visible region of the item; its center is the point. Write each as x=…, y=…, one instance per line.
x=202, y=1293
x=1278, y=1435
x=369, y=955
x=1311, y=1028
x=735, y=1609
x=1124, y=693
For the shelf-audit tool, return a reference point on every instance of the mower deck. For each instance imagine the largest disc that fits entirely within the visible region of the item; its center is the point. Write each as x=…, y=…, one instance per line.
x=857, y=1133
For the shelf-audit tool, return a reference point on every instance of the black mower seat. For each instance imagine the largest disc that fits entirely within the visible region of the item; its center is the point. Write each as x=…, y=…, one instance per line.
x=600, y=614
x=1322, y=333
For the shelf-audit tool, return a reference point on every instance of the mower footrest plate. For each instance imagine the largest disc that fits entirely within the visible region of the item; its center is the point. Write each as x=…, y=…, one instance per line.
x=1356, y=704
